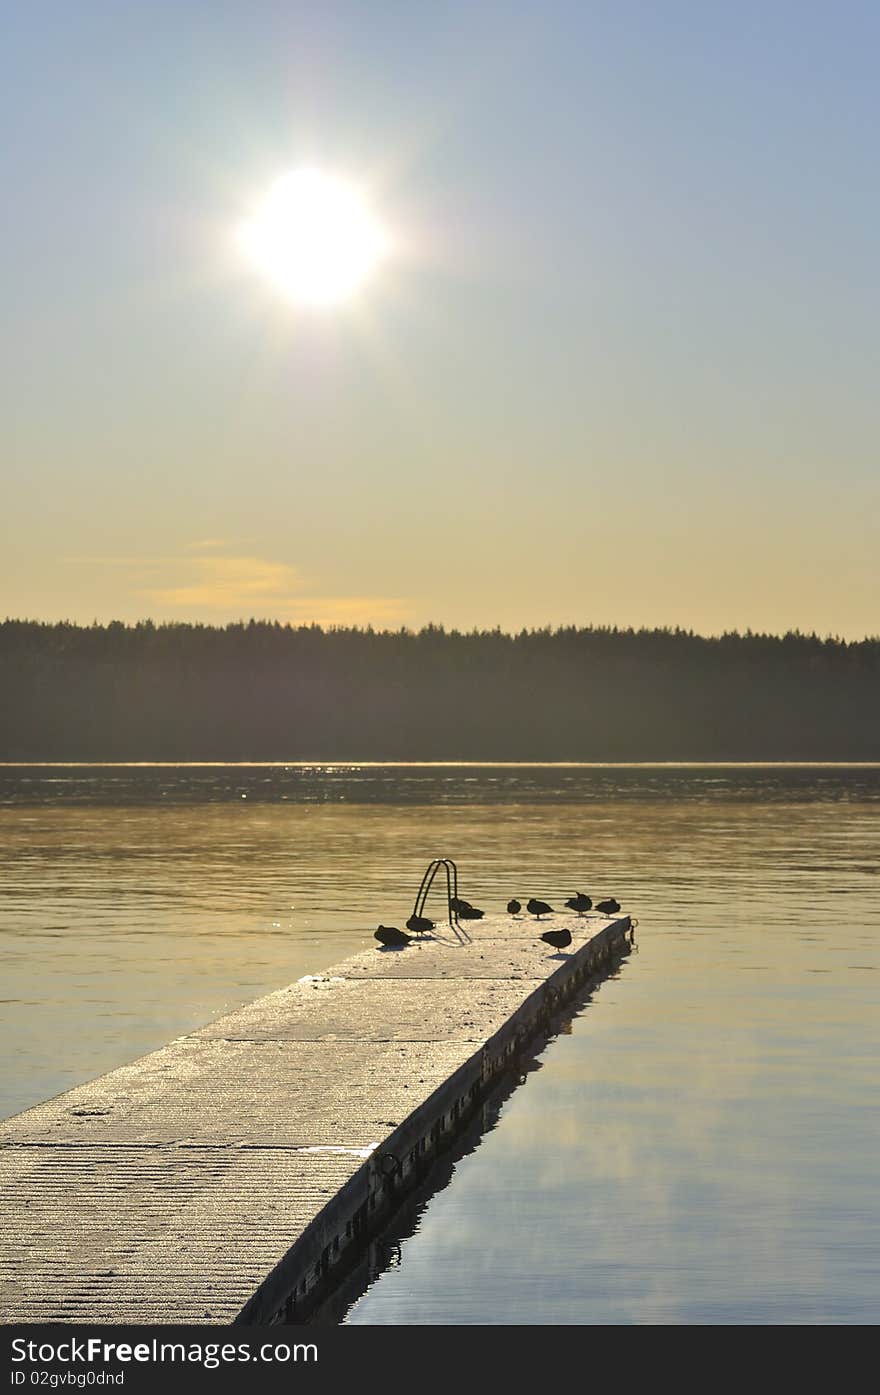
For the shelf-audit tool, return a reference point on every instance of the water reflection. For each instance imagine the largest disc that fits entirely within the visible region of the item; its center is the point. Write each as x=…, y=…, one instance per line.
x=428, y=783
x=386, y=1250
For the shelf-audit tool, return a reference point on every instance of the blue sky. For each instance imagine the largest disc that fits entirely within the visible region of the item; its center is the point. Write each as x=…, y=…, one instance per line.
x=620, y=369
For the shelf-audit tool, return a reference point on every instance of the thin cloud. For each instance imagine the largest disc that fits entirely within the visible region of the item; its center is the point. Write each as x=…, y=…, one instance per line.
x=218, y=588
x=216, y=583
x=214, y=544
x=239, y=586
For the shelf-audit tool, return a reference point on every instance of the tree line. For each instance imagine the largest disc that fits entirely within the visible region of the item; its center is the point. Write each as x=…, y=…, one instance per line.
x=261, y=690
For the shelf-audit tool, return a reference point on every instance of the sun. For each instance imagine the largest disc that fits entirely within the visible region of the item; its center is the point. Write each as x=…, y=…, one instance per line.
x=315, y=238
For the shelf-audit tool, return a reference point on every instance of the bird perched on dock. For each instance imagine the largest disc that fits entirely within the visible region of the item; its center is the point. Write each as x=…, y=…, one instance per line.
x=559, y=939
x=391, y=937
x=514, y=907
x=609, y=907
x=538, y=908
x=464, y=910
x=579, y=903
x=419, y=924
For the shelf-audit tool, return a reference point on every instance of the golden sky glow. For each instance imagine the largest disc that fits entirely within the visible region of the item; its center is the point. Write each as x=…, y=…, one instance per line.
x=520, y=317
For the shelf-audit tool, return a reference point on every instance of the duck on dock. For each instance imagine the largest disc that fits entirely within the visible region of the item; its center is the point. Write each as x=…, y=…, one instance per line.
x=609, y=907
x=514, y=907
x=538, y=908
x=419, y=924
x=464, y=910
x=559, y=939
x=392, y=937
x=579, y=902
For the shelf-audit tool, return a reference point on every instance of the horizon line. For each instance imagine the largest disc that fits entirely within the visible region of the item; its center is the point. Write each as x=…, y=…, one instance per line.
x=329, y=765
x=439, y=627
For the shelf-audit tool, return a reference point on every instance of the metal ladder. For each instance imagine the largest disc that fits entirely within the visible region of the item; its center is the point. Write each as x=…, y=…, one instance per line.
x=451, y=893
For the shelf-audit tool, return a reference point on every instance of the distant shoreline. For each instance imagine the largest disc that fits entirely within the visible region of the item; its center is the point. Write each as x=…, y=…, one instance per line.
x=264, y=694
x=348, y=764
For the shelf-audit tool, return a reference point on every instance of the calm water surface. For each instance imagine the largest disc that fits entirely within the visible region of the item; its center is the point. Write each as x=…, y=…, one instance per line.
x=699, y=1147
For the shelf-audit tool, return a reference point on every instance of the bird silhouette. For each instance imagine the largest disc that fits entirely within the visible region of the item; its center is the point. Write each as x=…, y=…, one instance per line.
x=464, y=910
x=514, y=907
x=609, y=907
x=557, y=938
x=391, y=937
x=538, y=908
x=419, y=924
x=579, y=903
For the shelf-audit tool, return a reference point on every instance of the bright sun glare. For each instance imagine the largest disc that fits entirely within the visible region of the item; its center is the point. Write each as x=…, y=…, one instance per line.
x=314, y=237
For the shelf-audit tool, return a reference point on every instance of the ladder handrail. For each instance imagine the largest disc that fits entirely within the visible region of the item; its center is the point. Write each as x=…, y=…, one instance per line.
x=451, y=886
x=427, y=882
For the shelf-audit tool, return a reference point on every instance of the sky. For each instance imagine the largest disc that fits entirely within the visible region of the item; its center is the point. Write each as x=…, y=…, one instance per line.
x=618, y=367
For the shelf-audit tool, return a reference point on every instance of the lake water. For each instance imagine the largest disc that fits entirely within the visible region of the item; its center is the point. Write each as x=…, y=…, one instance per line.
x=699, y=1146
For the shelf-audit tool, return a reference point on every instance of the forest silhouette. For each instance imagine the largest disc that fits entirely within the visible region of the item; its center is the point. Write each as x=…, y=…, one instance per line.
x=261, y=690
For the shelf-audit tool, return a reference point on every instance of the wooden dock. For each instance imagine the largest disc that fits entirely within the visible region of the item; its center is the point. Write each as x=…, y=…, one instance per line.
x=235, y=1174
